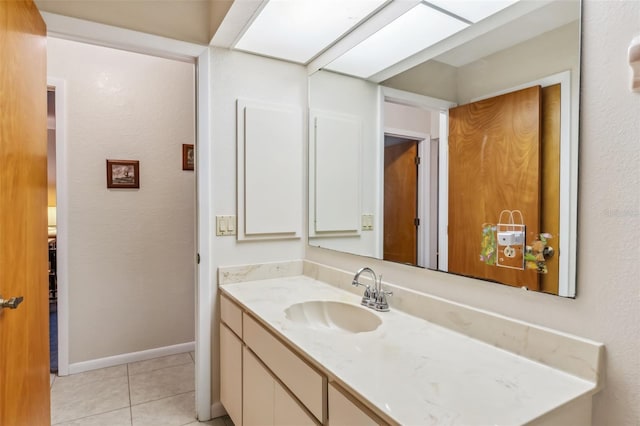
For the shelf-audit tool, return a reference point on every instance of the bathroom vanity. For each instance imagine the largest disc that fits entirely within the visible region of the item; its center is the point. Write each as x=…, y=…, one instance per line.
x=297, y=348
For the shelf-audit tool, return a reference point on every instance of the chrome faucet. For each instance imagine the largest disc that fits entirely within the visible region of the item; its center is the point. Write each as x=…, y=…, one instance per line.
x=374, y=297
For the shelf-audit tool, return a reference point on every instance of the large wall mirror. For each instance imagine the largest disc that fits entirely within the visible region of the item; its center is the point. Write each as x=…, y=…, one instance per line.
x=460, y=157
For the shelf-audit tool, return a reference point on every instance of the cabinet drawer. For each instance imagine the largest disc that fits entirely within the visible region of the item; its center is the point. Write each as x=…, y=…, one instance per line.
x=345, y=410
x=303, y=381
x=231, y=314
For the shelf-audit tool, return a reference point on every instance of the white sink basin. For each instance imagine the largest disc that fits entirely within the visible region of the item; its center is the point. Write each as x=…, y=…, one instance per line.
x=328, y=315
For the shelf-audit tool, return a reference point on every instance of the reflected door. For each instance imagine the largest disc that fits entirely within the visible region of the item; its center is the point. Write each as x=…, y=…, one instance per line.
x=401, y=202
x=494, y=165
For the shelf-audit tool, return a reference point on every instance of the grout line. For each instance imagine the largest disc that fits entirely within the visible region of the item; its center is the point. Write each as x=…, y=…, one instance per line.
x=161, y=368
x=164, y=397
x=86, y=417
x=129, y=387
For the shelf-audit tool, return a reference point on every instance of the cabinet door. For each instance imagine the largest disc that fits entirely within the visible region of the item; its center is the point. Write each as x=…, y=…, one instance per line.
x=258, y=395
x=288, y=411
x=231, y=374
x=345, y=411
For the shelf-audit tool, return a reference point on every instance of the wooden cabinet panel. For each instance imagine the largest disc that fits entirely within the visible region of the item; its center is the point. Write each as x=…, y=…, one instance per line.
x=231, y=314
x=303, y=381
x=345, y=411
x=231, y=374
x=288, y=411
x=258, y=392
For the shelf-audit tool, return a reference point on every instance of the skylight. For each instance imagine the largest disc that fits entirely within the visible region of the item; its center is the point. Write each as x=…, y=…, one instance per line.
x=298, y=30
x=419, y=28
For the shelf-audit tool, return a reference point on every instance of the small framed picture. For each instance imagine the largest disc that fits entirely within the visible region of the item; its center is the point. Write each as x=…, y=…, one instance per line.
x=123, y=174
x=188, y=157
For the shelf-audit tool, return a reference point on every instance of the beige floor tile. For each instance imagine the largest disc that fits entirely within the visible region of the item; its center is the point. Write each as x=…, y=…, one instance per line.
x=120, y=417
x=228, y=421
x=176, y=410
x=93, y=375
x=162, y=383
x=158, y=363
x=74, y=399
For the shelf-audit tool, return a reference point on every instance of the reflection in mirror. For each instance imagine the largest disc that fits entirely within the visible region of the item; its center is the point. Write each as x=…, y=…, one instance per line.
x=462, y=163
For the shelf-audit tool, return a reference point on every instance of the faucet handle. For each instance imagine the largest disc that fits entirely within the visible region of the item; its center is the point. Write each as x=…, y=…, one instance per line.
x=381, y=303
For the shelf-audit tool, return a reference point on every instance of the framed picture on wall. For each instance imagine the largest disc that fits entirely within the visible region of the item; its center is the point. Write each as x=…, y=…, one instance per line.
x=188, y=157
x=123, y=174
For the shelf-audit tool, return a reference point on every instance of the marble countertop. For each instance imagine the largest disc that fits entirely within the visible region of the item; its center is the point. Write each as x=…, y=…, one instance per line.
x=414, y=371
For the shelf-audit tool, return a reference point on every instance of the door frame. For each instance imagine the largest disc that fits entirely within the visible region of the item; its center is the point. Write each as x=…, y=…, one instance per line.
x=442, y=106
x=105, y=35
x=62, y=202
x=425, y=174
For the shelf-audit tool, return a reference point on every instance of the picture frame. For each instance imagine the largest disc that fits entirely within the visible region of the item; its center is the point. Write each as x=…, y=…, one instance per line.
x=123, y=174
x=188, y=157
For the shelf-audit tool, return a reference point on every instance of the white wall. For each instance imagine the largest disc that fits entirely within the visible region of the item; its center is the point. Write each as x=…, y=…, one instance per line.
x=547, y=54
x=502, y=70
x=402, y=117
x=607, y=307
x=131, y=252
x=239, y=75
x=431, y=78
x=354, y=97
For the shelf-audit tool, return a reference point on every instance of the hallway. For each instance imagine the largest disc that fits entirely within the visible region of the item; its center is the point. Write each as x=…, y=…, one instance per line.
x=155, y=392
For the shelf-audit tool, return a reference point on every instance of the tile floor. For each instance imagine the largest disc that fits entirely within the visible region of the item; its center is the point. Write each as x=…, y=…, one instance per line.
x=156, y=392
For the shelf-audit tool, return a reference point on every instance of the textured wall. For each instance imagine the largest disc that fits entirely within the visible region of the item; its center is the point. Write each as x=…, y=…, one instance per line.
x=239, y=75
x=131, y=252
x=607, y=308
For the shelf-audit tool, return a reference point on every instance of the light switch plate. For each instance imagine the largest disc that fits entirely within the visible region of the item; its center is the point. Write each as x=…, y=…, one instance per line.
x=367, y=222
x=225, y=225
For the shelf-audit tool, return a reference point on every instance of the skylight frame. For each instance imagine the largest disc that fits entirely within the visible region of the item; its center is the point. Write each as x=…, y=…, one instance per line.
x=310, y=30
x=412, y=28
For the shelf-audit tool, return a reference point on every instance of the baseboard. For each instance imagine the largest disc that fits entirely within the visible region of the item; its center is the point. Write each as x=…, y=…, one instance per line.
x=217, y=410
x=110, y=361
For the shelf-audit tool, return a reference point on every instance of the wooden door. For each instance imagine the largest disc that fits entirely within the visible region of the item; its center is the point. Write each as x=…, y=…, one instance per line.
x=494, y=165
x=24, y=332
x=401, y=202
x=550, y=183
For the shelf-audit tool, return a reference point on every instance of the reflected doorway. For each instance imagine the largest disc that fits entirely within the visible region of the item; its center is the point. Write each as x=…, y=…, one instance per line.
x=52, y=229
x=401, y=220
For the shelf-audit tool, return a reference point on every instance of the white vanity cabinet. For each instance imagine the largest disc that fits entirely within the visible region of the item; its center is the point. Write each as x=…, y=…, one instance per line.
x=304, y=368
x=262, y=381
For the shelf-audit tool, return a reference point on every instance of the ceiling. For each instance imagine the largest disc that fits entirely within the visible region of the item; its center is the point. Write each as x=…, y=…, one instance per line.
x=194, y=21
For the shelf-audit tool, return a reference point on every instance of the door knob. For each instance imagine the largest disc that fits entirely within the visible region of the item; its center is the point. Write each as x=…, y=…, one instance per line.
x=10, y=303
